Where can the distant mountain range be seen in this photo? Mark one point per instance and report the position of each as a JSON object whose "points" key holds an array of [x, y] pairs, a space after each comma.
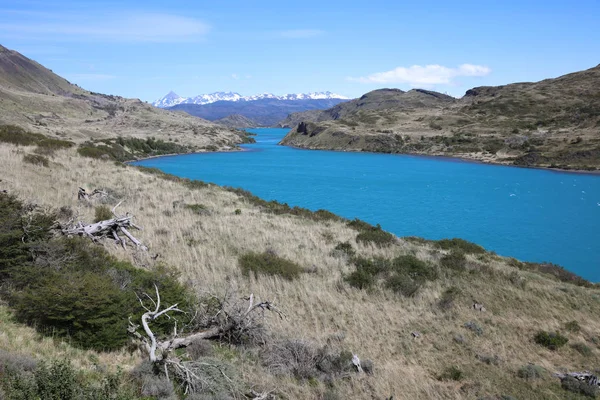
{"points": [[256, 112], [172, 99]]}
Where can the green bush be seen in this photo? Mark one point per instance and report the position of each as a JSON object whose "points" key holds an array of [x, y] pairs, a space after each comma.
{"points": [[448, 298], [59, 380], [102, 213], [531, 372], [452, 373], [345, 248], [582, 349], [552, 341], [571, 384], [36, 159], [360, 279], [376, 236], [414, 268], [454, 260], [199, 209], [573, 326], [72, 287], [403, 274], [19, 136], [268, 263], [460, 244]]}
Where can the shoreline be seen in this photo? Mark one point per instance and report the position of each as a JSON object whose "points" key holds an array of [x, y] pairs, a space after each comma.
{"points": [[238, 150], [456, 159]]}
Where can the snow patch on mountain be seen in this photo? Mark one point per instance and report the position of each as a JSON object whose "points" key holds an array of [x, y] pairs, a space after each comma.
{"points": [[172, 99]]}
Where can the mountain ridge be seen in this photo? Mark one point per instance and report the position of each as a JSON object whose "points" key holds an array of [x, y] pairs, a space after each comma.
{"points": [[172, 99]]}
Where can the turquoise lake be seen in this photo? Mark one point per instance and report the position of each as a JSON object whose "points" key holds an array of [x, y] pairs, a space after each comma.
{"points": [[529, 214]]}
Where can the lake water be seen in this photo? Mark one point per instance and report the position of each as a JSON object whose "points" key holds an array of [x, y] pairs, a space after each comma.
{"points": [[530, 214]]}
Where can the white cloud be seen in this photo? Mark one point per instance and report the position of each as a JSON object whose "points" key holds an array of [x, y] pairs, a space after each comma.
{"points": [[124, 27], [424, 75], [235, 76], [301, 33]]}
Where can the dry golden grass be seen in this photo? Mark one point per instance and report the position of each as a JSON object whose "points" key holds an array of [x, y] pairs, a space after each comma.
{"points": [[375, 325]]}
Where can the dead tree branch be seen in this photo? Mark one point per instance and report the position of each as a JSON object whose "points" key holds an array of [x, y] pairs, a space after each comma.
{"points": [[82, 194], [110, 227]]}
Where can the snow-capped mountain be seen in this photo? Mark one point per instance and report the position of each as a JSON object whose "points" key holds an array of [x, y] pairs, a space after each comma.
{"points": [[173, 99]]}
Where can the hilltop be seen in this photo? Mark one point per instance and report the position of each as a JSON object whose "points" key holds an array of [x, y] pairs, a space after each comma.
{"points": [[35, 98], [551, 123]]}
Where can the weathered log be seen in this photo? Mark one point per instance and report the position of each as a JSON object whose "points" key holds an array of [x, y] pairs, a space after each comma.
{"points": [[585, 376], [110, 227], [153, 347]]}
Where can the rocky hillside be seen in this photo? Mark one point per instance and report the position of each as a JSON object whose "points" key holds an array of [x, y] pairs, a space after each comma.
{"points": [[35, 98], [236, 121], [552, 123]]}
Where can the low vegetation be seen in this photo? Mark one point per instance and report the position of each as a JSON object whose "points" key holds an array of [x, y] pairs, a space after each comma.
{"points": [[72, 288], [401, 304], [126, 149], [269, 263], [550, 340]]}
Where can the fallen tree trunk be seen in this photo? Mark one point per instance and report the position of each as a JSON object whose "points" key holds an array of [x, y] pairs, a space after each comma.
{"points": [[110, 227]]}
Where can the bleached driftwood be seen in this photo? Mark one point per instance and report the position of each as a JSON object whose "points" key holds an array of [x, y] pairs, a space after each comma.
{"points": [[83, 195], [585, 376], [110, 227], [159, 351]]}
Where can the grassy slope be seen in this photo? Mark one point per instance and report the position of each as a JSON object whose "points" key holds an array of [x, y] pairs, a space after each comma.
{"points": [[555, 122], [33, 97], [320, 305]]}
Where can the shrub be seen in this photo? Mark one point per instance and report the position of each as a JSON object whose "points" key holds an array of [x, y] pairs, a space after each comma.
{"points": [[455, 260], [552, 341], [582, 349], [238, 211], [199, 209], [73, 288], [60, 380], [102, 213], [376, 236], [409, 274], [414, 268], [268, 263], [36, 159], [531, 372], [305, 361], [573, 385], [448, 298], [474, 327], [16, 135], [460, 244], [452, 373], [345, 248], [360, 279], [573, 326]]}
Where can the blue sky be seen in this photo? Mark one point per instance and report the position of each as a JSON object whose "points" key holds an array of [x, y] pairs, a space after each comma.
{"points": [[145, 48]]}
